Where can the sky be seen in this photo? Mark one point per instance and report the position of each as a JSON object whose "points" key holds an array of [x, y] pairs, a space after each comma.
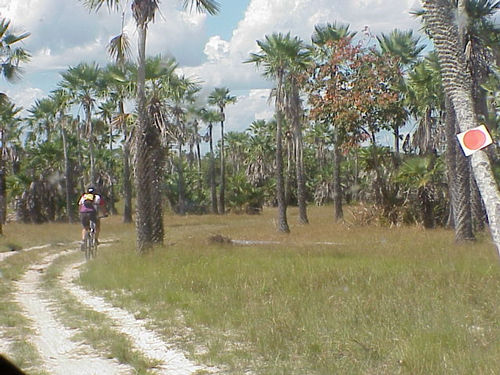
{"points": [[209, 49]]}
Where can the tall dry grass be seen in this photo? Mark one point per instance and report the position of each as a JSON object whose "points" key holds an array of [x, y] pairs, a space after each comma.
{"points": [[326, 299]]}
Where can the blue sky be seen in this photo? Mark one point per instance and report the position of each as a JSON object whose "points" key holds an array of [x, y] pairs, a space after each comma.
{"points": [[231, 11], [210, 49]]}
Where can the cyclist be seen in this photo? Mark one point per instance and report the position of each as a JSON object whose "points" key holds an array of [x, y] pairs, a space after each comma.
{"points": [[91, 205]]}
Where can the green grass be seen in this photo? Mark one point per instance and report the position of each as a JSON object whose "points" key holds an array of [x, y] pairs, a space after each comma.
{"points": [[95, 329], [329, 298], [380, 301], [14, 326]]}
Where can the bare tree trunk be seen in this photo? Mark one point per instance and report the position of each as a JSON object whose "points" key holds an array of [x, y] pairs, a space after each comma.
{"points": [[441, 22]]}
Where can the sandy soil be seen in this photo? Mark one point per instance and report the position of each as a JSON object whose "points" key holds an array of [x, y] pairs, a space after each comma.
{"points": [[61, 355]]}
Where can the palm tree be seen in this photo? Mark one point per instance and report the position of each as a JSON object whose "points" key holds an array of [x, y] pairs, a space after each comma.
{"points": [[81, 82], [459, 179], [119, 83], [425, 99], [149, 221], [209, 117], [276, 57], [61, 100], [440, 21], [481, 36], [404, 46], [8, 119], [11, 55], [421, 174], [300, 60], [324, 34], [220, 97]]}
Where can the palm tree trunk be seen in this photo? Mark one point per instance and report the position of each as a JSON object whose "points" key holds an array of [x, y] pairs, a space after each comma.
{"points": [[440, 20], [337, 188], [280, 181], [112, 198], [299, 157], [80, 157], [127, 181], [90, 128], [222, 198], [67, 175], [477, 206], [149, 221], [182, 197], [213, 192], [458, 179], [3, 206], [198, 163], [127, 185], [288, 174]]}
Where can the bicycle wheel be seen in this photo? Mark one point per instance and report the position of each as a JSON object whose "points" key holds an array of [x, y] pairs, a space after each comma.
{"points": [[93, 246]]}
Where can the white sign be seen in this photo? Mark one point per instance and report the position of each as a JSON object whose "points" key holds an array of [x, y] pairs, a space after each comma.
{"points": [[474, 139]]}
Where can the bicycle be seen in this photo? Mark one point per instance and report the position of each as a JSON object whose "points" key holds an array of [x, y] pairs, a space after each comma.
{"points": [[90, 243]]}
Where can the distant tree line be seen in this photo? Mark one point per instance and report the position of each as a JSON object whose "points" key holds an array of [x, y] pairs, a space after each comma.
{"points": [[340, 134]]}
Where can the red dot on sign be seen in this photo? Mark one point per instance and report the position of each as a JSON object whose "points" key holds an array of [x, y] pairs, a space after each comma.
{"points": [[474, 139]]}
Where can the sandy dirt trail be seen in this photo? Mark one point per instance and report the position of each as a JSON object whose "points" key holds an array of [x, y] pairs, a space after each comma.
{"points": [[60, 355], [171, 361]]}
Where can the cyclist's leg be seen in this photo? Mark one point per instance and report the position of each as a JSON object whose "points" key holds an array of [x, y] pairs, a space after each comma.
{"points": [[85, 220]]}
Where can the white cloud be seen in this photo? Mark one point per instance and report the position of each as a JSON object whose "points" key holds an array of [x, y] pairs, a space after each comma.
{"points": [[216, 49], [225, 65], [64, 33], [24, 97], [248, 108]]}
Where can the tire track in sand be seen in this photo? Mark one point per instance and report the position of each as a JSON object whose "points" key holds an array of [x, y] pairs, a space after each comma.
{"points": [[148, 342], [59, 354]]}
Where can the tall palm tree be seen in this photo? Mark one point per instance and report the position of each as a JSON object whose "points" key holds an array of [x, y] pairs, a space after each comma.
{"points": [[220, 97], [405, 46], [81, 82], [425, 99], [210, 117], [300, 60], [11, 55], [441, 23], [276, 57], [149, 221], [62, 102], [119, 82]]}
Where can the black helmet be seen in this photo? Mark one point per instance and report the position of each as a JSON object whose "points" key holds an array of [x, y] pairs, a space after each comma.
{"points": [[91, 189]]}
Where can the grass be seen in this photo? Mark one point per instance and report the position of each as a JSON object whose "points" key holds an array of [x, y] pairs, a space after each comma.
{"points": [[329, 298], [14, 326], [94, 327]]}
